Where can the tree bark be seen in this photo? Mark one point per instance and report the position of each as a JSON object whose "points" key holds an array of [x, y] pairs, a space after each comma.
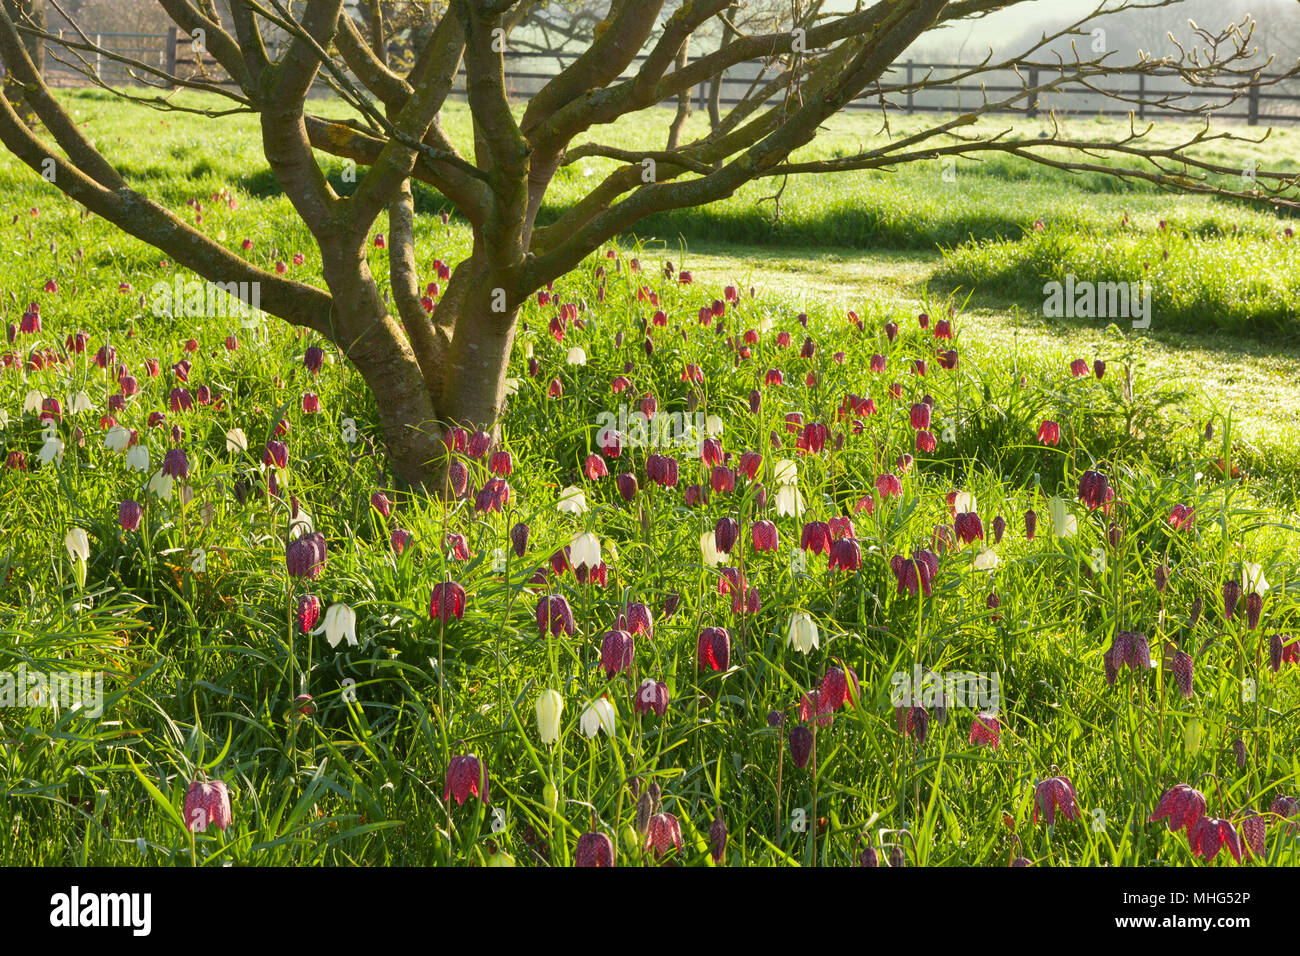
{"points": [[376, 347], [31, 13], [479, 359], [683, 101], [715, 85]]}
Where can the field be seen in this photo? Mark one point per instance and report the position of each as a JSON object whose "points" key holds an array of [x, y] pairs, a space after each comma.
{"points": [[726, 632]]}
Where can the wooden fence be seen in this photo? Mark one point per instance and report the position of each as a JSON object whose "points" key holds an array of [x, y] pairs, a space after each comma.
{"points": [[178, 55]]}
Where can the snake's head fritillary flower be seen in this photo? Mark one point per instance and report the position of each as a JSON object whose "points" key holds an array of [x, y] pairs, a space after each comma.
{"points": [[598, 716], [554, 615], [276, 454], [897, 857], [652, 695], [308, 612], [466, 777], [457, 478], [478, 444], [1049, 432], [584, 551], [493, 496], [870, 857], [594, 849], [1283, 649], [801, 741], [1182, 805], [750, 462], [637, 620], [1231, 595], [1078, 368], [314, 359], [986, 730], [1253, 580], [999, 528], [846, 555], [1129, 648], [802, 633], [722, 479], [550, 705], [129, 514], [176, 464], [838, 687], [207, 803], [664, 833], [1055, 795], [1285, 807], [627, 486], [1094, 489], [725, 533], [913, 721], [714, 648], [519, 538], [916, 574], [1183, 671], [1210, 834], [1253, 829], [662, 470], [968, 527], [1181, 517], [617, 652], [765, 536], [816, 537], [305, 557], [340, 624], [718, 838], [447, 601], [1254, 606]]}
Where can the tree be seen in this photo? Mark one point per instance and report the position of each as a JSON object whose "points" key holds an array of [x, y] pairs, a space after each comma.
{"points": [[451, 367], [31, 13]]}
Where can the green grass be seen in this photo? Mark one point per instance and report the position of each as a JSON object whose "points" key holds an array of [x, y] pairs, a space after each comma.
{"points": [[202, 666]]}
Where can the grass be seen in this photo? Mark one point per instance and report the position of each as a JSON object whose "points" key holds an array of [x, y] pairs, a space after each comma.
{"points": [[191, 616]]}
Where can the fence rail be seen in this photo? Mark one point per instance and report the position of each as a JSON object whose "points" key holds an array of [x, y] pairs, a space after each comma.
{"points": [[902, 88]]}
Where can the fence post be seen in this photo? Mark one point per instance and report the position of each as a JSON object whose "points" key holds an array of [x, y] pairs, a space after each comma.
{"points": [[910, 64], [170, 55], [1033, 103], [1253, 101], [1142, 96], [99, 59]]}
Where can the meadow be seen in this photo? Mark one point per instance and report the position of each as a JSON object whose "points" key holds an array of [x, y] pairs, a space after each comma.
{"points": [[667, 646]]}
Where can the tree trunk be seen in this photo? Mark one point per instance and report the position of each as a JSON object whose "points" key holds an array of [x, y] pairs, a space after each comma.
{"points": [[31, 13], [413, 410], [475, 377], [373, 343]]}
